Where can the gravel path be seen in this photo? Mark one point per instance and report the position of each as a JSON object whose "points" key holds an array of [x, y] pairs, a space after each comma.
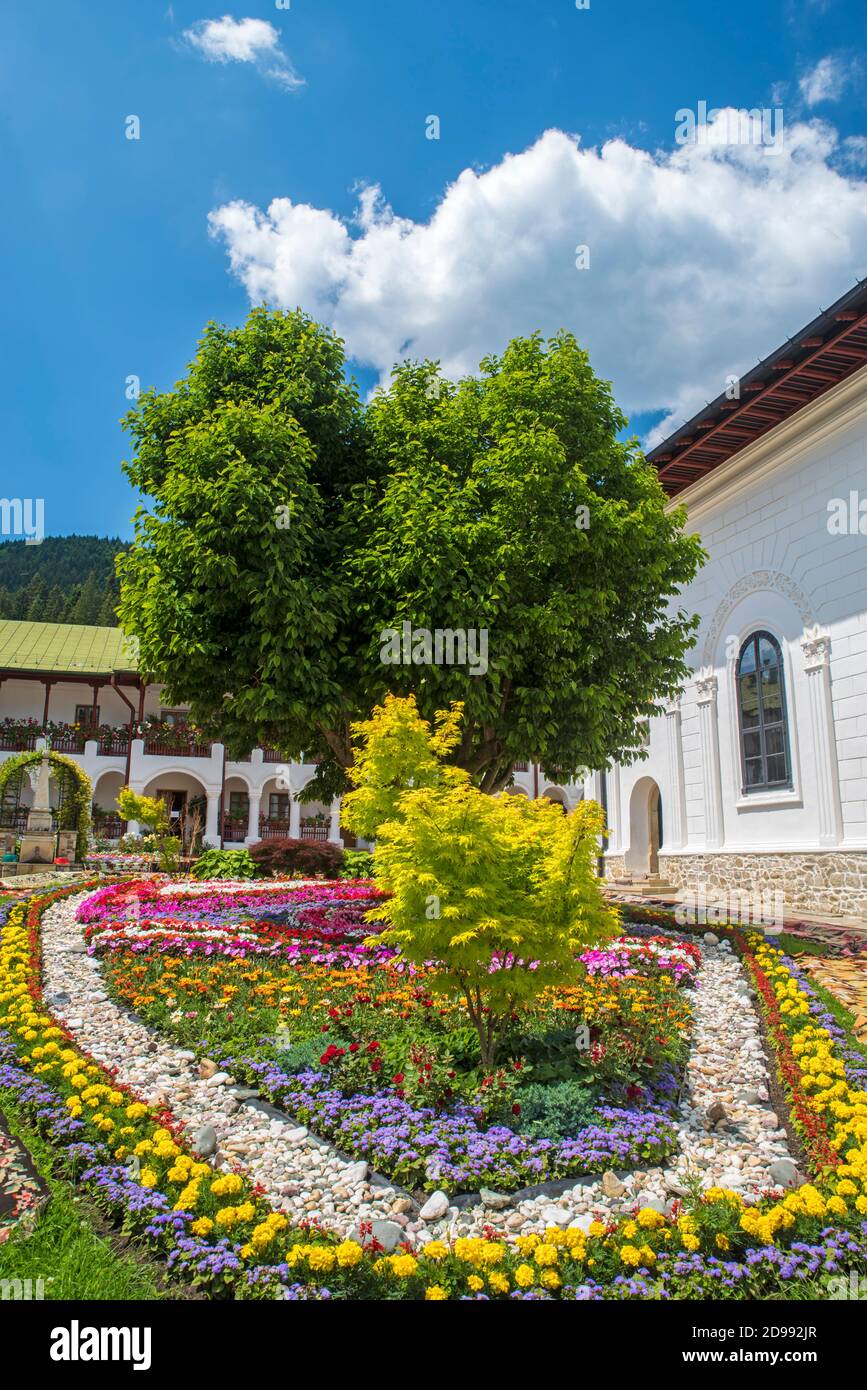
{"points": [[304, 1176]]}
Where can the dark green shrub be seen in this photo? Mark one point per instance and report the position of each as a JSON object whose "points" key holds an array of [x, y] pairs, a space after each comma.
{"points": [[303, 1055], [556, 1111]]}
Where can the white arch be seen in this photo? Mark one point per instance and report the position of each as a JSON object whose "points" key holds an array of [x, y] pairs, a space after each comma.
{"points": [[557, 794], [239, 777], [641, 856], [160, 777]]}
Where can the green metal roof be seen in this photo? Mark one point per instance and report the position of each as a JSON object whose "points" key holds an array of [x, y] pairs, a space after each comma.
{"points": [[71, 647]]}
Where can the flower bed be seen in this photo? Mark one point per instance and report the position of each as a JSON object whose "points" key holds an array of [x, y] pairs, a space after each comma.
{"points": [[214, 1229], [371, 1059]]}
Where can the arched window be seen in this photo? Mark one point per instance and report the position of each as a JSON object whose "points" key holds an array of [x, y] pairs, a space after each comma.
{"points": [[761, 687]]}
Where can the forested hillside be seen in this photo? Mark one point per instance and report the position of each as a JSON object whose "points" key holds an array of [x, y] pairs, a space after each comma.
{"points": [[66, 579]]}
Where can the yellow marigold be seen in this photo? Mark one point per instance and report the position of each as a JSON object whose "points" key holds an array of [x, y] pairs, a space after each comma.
{"points": [[404, 1265], [722, 1241], [227, 1186], [689, 1242], [349, 1253], [148, 1177], [629, 1255], [545, 1255], [649, 1219], [435, 1293], [435, 1250], [321, 1258], [498, 1282], [550, 1279], [202, 1226], [524, 1276], [475, 1283]]}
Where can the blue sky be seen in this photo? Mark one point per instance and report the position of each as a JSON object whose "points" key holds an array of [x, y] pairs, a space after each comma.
{"points": [[700, 260]]}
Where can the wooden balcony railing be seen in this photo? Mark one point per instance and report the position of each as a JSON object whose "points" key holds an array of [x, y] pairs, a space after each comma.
{"points": [[69, 743], [313, 830], [234, 828], [274, 829], [17, 743], [167, 748], [112, 748], [108, 827]]}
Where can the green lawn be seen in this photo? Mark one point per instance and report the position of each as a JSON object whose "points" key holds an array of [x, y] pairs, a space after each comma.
{"points": [[65, 1250]]}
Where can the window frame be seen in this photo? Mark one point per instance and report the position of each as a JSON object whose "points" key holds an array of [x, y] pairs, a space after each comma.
{"points": [[765, 787]]}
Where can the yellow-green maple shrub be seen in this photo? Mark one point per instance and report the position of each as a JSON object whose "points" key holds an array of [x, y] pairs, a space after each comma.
{"points": [[499, 892]]}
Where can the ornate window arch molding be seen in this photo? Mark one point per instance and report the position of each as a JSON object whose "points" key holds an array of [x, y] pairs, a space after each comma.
{"points": [[756, 582]]}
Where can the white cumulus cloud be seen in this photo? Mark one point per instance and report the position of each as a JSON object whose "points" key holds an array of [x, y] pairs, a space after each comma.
{"points": [[700, 260], [255, 41], [824, 82]]}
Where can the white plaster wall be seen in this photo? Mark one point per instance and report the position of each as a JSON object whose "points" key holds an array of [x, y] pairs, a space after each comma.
{"points": [[771, 518]]}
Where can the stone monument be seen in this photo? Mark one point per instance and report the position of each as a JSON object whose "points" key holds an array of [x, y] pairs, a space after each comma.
{"points": [[37, 842]]}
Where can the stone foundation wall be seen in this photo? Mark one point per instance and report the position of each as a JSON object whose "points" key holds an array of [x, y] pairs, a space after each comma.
{"points": [[615, 866], [833, 881]]}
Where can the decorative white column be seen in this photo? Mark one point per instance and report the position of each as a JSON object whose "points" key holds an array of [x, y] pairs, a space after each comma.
{"points": [[334, 824], [253, 818], [137, 779], [294, 817], [211, 837], [816, 646], [707, 686], [615, 815], [674, 810]]}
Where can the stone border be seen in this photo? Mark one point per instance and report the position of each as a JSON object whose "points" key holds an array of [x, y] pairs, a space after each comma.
{"points": [[309, 1180]]}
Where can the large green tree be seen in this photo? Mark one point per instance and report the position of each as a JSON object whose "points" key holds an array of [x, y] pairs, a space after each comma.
{"points": [[295, 537]]}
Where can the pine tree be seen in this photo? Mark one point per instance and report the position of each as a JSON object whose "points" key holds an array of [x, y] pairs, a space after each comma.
{"points": [[107, 615], [32, 605], [89, 601], [55, 606]]}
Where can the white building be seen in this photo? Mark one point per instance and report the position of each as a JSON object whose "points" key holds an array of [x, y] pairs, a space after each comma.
{"points": [[81, 684], [758, 782], [71, 679]]}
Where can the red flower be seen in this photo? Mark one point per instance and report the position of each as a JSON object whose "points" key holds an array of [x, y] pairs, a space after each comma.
{"points": [[397, 1079], [353, 1047], [516, 1109]]}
